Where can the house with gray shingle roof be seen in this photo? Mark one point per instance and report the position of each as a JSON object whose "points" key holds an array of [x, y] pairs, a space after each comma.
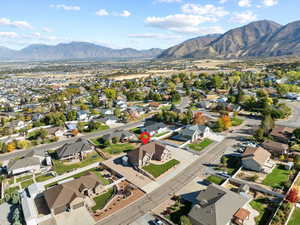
{"points": [[31, 162], [217, 206], [192, 133], [74, 150]]}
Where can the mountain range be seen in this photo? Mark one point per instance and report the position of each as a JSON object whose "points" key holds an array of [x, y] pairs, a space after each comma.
{"points": [[258, 39], [74, 50]]}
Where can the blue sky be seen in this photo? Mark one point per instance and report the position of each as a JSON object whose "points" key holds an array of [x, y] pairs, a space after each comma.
{"points": [[140, 24]]}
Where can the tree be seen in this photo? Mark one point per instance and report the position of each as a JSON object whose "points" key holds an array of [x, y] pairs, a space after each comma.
{"points": [[11, 147], [75, 132], [199, 118], [117, 112], [71, 115], [297, 133], [110, 93], [224, 122], [292, 196], [22, 144], [184, 220]]}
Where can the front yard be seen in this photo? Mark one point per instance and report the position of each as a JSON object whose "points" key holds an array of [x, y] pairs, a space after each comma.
{"points": [[157, 170], [179, 209], [103, 199], [277, 178], [61, 167], [199, 146]]}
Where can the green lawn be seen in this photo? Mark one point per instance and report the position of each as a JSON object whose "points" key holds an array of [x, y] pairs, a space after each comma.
{"points": [[103, 199], [26, 183], [236, 121], [277, 178], [94, 170], [215, 179], [20, 179], [42, 178], [261, 205], [295, 219], [157, 170], [136, 130], [179, 209], [61, 168], [161, 134], [118, 148], [199, 146]]}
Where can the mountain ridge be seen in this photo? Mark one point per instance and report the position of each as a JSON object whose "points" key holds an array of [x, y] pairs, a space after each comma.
{"points": [[73, 50], [260, 38]]}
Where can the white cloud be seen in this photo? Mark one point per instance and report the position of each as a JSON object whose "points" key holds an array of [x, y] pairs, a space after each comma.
{"points": [[244, 17], [207, 10], [18, 24], [244, 3], [183, 23], [47, 29], [66, 7], [269, 3], [223, 1], [155, 36], [9, 34], [102, 12], [125, 13]]}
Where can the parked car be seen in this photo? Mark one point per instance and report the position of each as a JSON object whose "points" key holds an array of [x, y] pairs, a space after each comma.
{"points": [[157, 222]]}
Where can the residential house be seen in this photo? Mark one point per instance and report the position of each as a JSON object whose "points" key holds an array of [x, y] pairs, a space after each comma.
{"points": [[56, 131], [82, 115], [31, 162], [282, 134], [192, 133], [108, 120], [275, 148], [76, 150], [121, 135], [152, 151], [155, 128], [73, 194], [257, 159], [218, 206]]}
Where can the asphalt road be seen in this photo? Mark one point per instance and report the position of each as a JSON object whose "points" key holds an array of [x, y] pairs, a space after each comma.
{"points": [[46, 147], [161, 194], [294, 120]]}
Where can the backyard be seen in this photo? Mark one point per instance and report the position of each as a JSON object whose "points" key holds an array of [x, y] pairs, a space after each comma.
{"points": [[157, 170], [277, 178], [295, 219], [215, 180], [236, 121], [118, 148], [199, 146], [61, 167], [261, 206]]}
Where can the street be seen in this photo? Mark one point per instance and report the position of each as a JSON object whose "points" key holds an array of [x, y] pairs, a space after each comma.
{"points": [[294, 120], [165, 191], [46, 147]]}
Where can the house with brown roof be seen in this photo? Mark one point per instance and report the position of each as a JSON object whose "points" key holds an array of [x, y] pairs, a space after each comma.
{"points": [[73, 194], [142, 156], [282, 134], [275, 148], [257, 159]]}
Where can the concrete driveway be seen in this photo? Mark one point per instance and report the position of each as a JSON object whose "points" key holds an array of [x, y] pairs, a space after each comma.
{"points": [[78, 216]]}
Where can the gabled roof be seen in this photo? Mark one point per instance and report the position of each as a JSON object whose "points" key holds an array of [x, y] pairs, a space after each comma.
{"points": [[153, 148], [22, 163], [260, 155], [80, 145], [216, 206], [282, 131], [118, 134], [63, 194]]}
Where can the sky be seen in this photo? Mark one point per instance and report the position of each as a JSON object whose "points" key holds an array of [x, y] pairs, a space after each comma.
{"points": [[140, 24]]}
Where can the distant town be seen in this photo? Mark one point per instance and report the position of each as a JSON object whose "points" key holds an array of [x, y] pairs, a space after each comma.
{"points": [[223, 148]]}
